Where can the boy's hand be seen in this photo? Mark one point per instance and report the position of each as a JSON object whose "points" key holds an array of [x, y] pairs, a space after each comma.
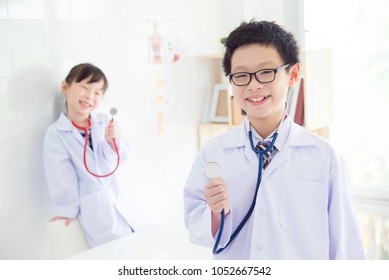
{"points": [[216, 194]]}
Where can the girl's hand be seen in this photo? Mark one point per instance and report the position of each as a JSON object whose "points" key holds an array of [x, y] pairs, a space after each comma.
{"points": [[67, 220], [112, 132]]}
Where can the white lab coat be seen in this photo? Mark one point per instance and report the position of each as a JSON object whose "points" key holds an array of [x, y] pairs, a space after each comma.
{"points": [[96, 202], [304, 207]]}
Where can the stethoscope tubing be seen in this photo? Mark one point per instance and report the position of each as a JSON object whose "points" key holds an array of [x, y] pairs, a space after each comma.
{"points": [[85, 129], [260, 154]]}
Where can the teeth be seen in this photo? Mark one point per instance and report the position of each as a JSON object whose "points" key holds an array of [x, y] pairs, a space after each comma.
{"points": [[257, 99]]}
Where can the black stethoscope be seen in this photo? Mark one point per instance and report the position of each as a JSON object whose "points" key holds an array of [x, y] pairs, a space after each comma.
{"points": [[212, 170]]}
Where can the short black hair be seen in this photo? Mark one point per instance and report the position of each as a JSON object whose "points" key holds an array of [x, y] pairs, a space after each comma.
{"points": [[264, 33], [86, 70]]}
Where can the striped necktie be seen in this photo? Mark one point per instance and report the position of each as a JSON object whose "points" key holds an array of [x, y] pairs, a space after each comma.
{"points": [[267, 157]]}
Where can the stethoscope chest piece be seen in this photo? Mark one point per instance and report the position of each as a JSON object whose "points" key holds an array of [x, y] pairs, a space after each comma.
{"points": [[212, 170]]}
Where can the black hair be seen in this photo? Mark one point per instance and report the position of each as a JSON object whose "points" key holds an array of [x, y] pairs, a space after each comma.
{"points": [[84, 71], [264, 33]]}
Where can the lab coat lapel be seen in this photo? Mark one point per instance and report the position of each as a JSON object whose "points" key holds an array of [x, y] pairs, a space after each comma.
{"points": [[77, 135], [99, 124], [282, 144], [251, 156], [238, 138], [95, 130], [278, 159], [64, 124], [297, 136]]}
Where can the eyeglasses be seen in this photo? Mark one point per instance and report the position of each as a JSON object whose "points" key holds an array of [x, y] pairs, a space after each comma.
{"points": [[262, 76]]}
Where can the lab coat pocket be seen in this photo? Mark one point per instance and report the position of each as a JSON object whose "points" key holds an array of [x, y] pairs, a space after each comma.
{"points": [[96, 212], [303, 206]]}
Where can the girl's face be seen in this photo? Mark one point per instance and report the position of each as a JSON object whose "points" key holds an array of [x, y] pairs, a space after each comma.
{"points": [[262, 101], [82, 97]]}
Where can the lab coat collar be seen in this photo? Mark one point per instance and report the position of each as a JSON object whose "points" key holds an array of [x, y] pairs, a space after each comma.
{"points": [[290, 134], [64, 124], [282, 133]]}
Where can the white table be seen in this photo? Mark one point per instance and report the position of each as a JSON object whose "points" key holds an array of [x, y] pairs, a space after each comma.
{"points": [[167, 241]]}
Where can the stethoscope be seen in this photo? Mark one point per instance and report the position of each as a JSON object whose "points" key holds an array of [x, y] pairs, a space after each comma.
{"points": [[212, 170], [113, 112]]}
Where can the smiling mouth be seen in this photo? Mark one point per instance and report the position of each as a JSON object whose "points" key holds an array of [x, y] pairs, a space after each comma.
{"points": [[85, 104], [258, 99]]}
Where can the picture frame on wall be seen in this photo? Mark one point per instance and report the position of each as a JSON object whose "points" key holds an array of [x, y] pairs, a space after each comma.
{"points": [[219, 109]]}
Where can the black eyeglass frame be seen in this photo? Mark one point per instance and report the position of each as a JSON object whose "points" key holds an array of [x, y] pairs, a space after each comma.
{"points": [[275, 70]]}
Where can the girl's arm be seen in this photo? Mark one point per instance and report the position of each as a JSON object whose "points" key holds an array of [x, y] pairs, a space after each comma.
{"points": [[67, 220], [61, 176]]}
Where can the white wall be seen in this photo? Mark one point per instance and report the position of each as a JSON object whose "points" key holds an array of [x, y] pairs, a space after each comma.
{"points": [[40, 40]]}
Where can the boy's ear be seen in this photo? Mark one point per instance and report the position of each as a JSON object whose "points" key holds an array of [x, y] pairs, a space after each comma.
{"points": [[294, 74]]}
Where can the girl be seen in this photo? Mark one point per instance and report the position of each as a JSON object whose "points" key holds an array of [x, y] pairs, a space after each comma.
{"points": [[95, 201]]}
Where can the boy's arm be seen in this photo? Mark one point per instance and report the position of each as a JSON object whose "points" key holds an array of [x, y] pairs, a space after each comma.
{"points": [[344, 231], [198, 215]]}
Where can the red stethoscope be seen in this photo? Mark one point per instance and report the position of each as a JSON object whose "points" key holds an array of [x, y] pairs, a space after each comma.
{"points": [[113, 112]]}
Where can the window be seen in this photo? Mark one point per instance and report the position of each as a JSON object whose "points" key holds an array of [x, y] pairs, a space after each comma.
{"points": [[358, 31]]}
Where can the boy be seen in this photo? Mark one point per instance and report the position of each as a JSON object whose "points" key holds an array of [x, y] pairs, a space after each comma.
{"points": [[294, 182]]}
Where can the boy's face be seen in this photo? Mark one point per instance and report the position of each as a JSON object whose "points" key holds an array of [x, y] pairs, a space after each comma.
{"points": [[262, 101], [83, 97]]}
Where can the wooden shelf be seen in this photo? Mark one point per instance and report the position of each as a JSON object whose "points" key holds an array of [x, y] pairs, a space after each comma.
{"points": [[210, 130]]}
